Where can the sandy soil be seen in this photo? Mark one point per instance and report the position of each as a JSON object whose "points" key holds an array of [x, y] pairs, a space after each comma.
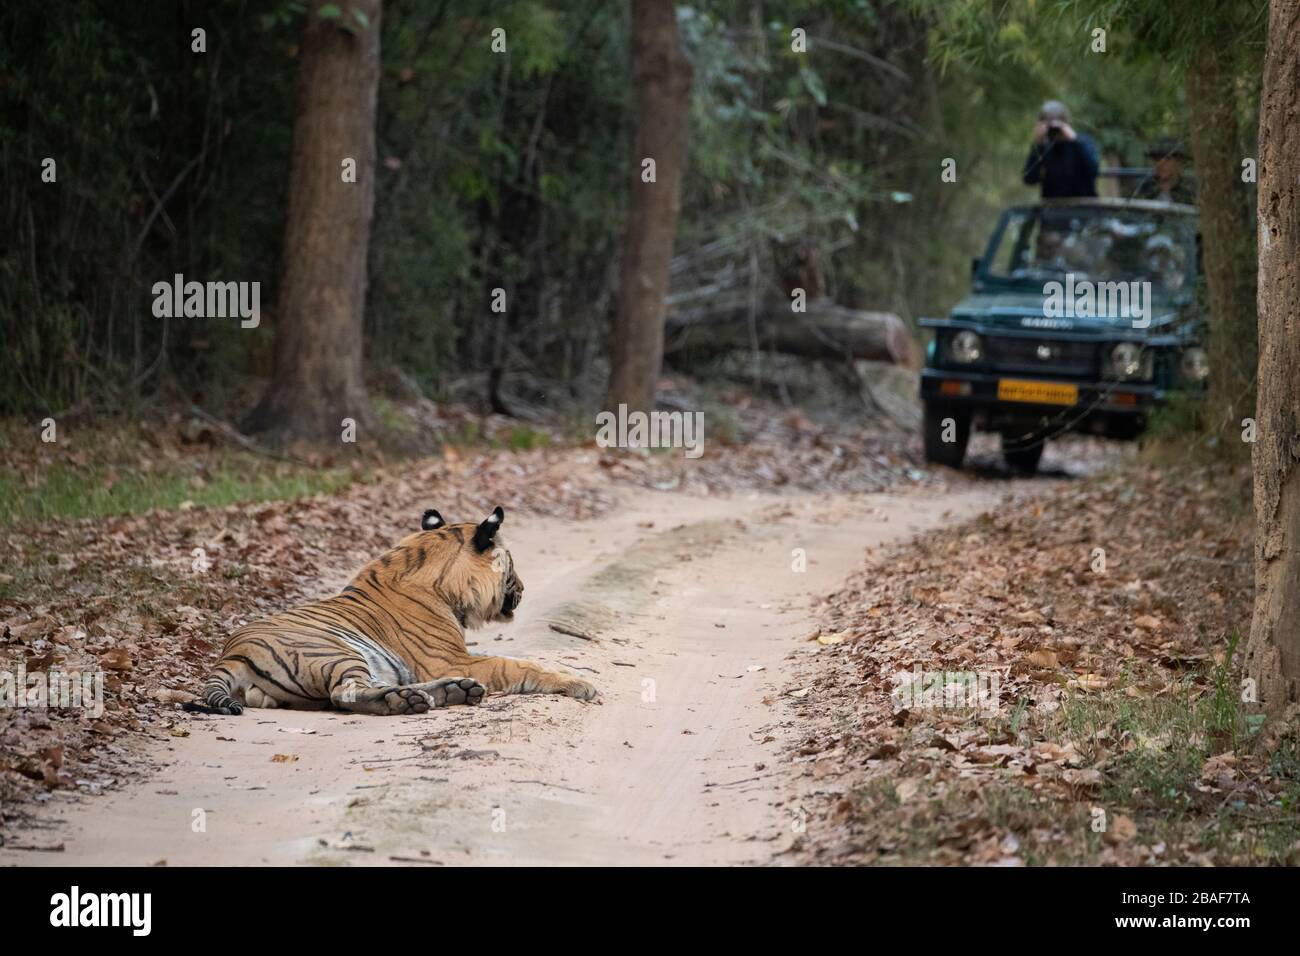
{"points": [[696, 621]]}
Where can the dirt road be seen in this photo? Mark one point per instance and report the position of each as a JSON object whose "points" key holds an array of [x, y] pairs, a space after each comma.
{"points": [[697, 617]]}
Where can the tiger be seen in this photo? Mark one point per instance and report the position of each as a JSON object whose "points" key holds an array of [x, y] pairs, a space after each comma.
{"points": [[393, 642]]}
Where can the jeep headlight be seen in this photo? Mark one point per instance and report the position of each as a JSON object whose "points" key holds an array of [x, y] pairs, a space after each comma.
{"points": [[1195, 365], [1128, 361], [966, 347]]}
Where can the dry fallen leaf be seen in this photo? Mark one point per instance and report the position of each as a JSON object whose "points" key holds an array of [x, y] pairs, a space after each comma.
{"points": [[116, 659], [906, 789], [1119, 830], [1044, 659], [1093, 682], [1085, 778]]}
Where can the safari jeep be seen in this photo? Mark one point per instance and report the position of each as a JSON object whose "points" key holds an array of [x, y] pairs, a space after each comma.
{"points": [[1082, 316]]}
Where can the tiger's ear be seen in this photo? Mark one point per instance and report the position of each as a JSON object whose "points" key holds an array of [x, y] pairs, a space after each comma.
{"points": [[431, 521], [486, 531]]}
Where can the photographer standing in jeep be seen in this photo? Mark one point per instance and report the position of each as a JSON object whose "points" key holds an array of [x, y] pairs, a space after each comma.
{"points": [[1062, 161]]}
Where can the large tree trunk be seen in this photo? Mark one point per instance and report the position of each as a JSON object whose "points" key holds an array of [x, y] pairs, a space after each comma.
{"points": [[1227, 237], [662, 78], [825, 330], [1273, 652], [317, 374]]}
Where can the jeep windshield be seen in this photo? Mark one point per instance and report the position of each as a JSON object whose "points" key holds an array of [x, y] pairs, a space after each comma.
{"points": [[1096, 243]]}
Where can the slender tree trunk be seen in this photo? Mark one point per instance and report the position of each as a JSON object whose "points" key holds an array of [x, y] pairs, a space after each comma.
{"points": [[661, 75], [1227, 238], [317, 373], [1273, 652]]}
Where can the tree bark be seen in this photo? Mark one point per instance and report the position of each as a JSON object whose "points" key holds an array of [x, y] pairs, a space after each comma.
{"points": [[1273, 651], [825, 330], [317, 373], [1227, 234], [661, 75]]}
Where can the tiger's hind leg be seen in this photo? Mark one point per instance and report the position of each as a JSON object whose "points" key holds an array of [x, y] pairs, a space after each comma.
{"points": [[219, 692], [262, 668], [393, 700]]}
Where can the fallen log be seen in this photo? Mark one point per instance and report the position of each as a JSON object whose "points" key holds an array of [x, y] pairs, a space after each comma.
{"points": [[825, 330]]}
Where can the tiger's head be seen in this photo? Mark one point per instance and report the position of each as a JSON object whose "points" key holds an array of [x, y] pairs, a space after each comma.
{"points": [[467, 566]]}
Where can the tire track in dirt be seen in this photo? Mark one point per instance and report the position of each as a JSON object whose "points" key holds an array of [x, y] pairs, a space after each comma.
{"points": [[696, 618]]}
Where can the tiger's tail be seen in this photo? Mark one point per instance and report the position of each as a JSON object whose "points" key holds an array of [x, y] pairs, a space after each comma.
{"points": [[215, 698]]}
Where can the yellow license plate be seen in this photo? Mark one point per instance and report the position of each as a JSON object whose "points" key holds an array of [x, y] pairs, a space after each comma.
{"points": [[1045, 393]]}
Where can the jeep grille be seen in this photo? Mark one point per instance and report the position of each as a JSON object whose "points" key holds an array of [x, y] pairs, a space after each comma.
{"points": [[1006, 353]]}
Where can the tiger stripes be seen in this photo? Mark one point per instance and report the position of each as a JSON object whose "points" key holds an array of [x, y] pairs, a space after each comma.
{"points": [[393, 642]]}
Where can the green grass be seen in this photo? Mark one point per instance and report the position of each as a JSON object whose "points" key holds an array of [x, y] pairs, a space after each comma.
{"points": [[525, 438], [393, 423], [1151, 752], [1155, 778], [116, 470], [68, 491], [521, 437]]}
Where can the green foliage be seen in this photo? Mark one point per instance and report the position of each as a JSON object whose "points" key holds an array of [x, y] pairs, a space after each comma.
{"points": [[835, 150], [167, 161], [1172, 32], [512, 170], [497, 170], [1176, 433]]}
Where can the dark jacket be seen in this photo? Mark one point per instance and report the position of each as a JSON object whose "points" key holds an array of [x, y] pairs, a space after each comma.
{"points": [[1183, 191], [1065, 168]]}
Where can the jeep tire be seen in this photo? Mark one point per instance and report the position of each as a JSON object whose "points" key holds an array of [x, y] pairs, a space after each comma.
{"points": [[1022, 453], [938, 451]]}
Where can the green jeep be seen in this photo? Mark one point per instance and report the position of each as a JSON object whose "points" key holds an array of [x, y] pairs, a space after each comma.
{"points": [[1082, 316]]}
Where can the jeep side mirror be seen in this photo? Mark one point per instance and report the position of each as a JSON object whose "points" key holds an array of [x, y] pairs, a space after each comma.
{"points": [[975, 267]]}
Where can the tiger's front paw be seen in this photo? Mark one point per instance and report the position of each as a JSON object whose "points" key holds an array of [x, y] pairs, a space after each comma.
{"points": [[579, 689], [451, 691]]}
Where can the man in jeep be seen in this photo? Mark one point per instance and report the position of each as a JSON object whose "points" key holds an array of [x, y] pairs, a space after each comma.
{"points": [[1061, 160], [1168, 181]]}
